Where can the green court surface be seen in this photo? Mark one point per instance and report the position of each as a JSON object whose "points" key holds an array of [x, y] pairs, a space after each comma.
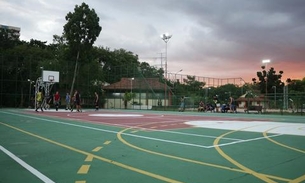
{"points": [[131, 146]]}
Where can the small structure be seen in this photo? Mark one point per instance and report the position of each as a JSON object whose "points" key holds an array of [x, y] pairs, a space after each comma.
{"points": [[250, 102], [145, 92]]}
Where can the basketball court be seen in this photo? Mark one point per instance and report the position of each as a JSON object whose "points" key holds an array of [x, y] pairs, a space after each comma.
{"points": [[150, 146]]}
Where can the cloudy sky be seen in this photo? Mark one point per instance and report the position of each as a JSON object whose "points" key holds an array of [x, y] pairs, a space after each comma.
{"points": [[210, 38]]}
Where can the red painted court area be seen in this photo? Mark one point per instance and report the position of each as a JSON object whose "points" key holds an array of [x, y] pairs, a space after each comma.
{"points": [[131, 119]]}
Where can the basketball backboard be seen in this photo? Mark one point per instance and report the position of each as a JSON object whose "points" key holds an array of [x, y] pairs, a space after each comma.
{"points": [[50, 76]]}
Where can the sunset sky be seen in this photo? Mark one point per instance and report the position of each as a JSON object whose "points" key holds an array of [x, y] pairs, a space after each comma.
{"points": [[210, 38]]}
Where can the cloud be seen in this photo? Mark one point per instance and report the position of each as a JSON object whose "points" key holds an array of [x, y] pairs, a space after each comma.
{"points": [[211, 38]]}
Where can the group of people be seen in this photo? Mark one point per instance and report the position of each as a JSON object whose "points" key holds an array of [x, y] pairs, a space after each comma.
{"points": [[206, 107], [71, 103], [230, 107]]}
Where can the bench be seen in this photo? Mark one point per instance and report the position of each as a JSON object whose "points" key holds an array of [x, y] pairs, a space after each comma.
{"points": [[254, 108]]}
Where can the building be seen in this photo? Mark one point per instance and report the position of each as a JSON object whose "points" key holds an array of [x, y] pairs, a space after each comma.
{"points": [[147, 92], [12, 32]]}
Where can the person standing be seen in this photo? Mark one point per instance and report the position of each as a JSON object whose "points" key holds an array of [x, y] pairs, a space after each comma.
{"points": [[232, 106], [56, 100], [77, 101], [96, 101], [73, 100], [215, 100], [68, 101], [39, 101], [182, 104]]}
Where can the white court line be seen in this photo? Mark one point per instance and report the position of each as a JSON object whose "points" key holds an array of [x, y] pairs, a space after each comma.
{"points": [[241, 141], [127, 134], [197, 135], [27, 166]]}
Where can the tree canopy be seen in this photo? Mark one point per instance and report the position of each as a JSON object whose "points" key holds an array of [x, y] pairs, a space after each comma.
{"points": [[81, 31]]}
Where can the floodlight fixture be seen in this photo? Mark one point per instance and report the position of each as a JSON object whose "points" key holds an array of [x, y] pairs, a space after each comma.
{"points": [[265, 61]]}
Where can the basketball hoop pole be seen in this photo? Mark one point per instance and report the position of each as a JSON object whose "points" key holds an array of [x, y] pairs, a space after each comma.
{"points": [[43, 85], [45, 82]]}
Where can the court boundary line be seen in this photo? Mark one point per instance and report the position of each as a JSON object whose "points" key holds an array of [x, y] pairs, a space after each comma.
{"points": [[247, 140], [31, 169]]}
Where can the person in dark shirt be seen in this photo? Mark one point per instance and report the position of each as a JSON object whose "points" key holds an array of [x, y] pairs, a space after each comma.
{"points": [[96, 101], [78, 101]]}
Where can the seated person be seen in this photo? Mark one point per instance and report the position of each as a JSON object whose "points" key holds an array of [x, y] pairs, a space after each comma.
{"points": [[225, 108], [210, 107], [201, 107]]}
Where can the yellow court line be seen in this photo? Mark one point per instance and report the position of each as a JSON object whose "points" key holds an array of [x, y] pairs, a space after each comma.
{"points": [[299, 179], [83, 169], [107, 142], [143, 172], [80, 181], [89, 158], [280, 144], [97, 149], [119, 135], [248, 170]]}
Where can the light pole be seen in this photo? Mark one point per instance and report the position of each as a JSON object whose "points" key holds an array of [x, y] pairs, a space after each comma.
{"points": [[131, 79], [177, 73], [274, 87], [266, 89], [30, 82], [206, 94], [176, 78], [165, 38]]}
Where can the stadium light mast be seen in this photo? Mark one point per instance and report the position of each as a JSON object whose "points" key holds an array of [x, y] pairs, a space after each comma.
{"points": [[266, 81], [165, 38]]}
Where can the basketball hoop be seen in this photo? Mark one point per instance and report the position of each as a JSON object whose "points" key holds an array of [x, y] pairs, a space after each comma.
{"points": [[51, 78]]}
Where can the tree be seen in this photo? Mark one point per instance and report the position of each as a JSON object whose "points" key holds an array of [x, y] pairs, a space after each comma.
{"points": [[149, 71], [81, 31], [270, 78], [128, 97], [296, 85], [193, 88]]}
